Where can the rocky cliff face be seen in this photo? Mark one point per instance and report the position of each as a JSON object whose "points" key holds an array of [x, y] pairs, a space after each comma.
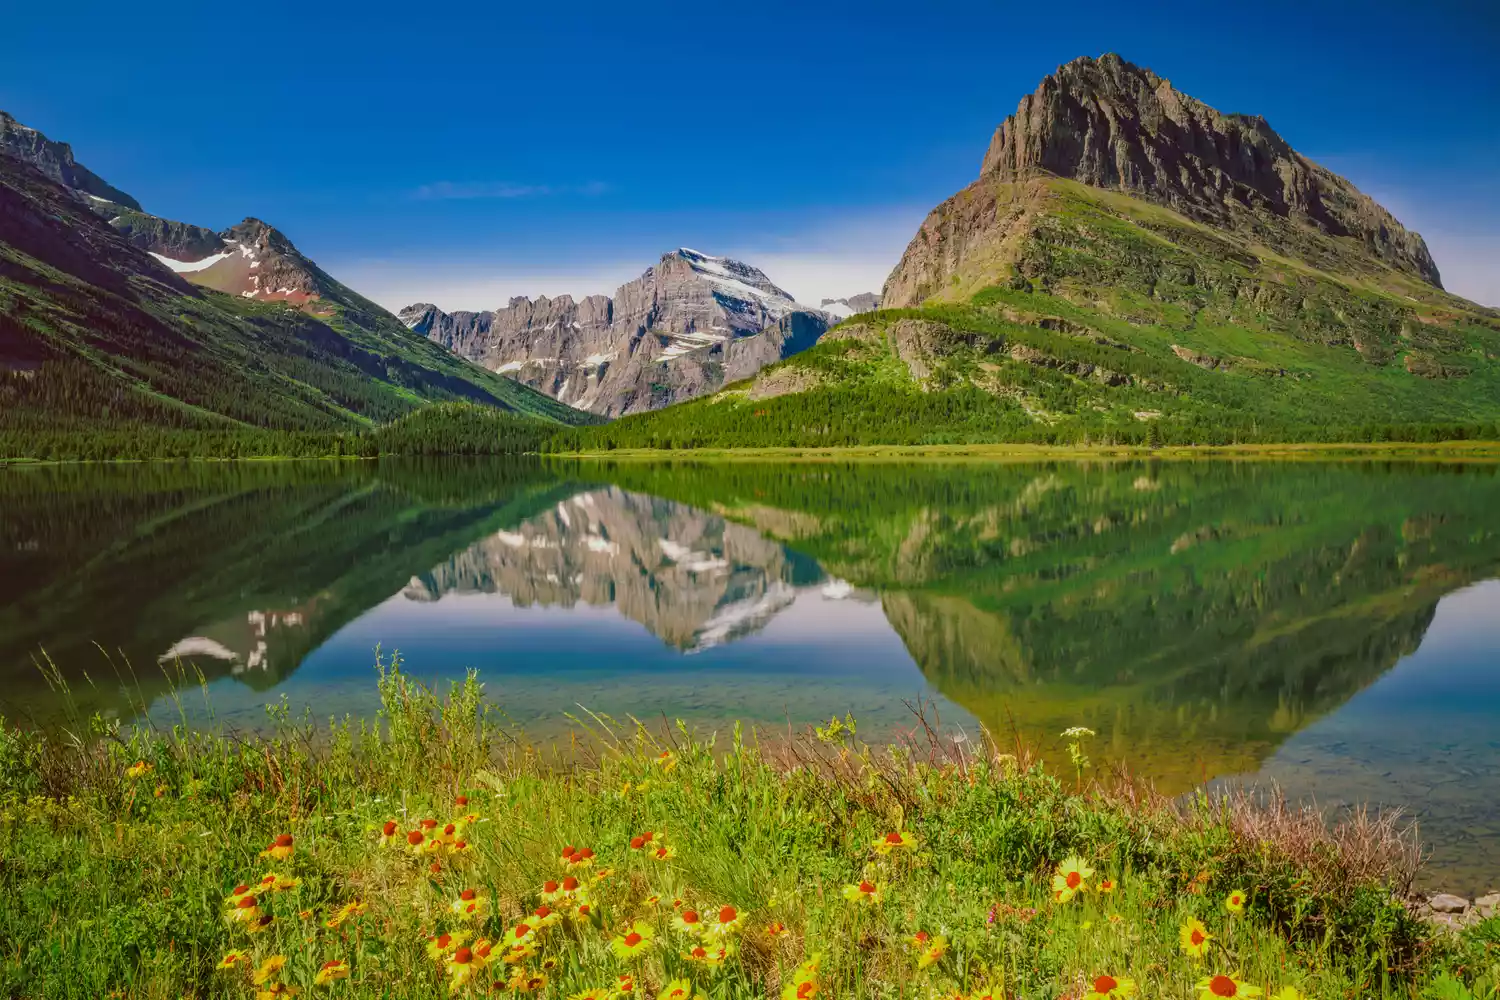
{"points": [[255, 261], [55, 161], [178, 241], [684, 328], [692, 578], [1109, 124]]}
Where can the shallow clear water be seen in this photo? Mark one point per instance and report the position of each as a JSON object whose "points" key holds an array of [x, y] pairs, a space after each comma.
{"points": [[1332, 627]]}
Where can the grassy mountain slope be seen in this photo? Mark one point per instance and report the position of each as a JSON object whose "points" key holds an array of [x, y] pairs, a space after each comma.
{"points": [[1062, 312], [95, 333]]}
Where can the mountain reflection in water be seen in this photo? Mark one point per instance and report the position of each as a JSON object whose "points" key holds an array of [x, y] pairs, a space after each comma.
{"points": [[1195, 615]]}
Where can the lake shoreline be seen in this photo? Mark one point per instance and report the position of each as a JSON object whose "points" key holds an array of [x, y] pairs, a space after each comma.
{"points": [[1440, 451], [1437, 451]]}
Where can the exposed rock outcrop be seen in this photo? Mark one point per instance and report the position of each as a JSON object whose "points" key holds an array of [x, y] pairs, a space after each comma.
{"points": [[685, 327], [55, 161], [1112, 125], [179, 241]]}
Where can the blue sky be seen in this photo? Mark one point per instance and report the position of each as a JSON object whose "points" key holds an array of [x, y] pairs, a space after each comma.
{"points": [[462, 153]]}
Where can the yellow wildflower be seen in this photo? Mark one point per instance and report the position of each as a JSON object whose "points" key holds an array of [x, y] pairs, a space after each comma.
{"points": [[933, 952], [1070, 878], [896, 841], [269, 969], [1110, 988], [1221, 986], [636, 941], [865, 893], [1194, 937], [336, 969]]}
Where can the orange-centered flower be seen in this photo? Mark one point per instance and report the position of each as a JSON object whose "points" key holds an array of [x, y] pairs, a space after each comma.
{"points": [[330, 971], [634, 942]]}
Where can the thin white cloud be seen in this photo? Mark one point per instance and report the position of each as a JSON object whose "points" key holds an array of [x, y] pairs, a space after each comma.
{"points": [[454, 190]]}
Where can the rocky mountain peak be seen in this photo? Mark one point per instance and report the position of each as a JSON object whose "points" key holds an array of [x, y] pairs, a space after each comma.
{"points": [[1110, 124], [55, 161], [724, 271], [254, 232], [688, 324]]}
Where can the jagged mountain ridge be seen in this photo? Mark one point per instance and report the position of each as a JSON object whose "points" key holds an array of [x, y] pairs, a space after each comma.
{"points": [[55, 161], [95, 331], [688, 325], [252, 259], [1113, 125]]}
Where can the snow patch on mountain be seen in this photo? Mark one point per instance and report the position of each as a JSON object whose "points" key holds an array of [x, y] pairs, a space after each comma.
{"points": [[190, 266]]}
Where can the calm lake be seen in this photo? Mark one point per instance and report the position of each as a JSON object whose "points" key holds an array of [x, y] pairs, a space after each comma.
{"points": [[1334, 627]]}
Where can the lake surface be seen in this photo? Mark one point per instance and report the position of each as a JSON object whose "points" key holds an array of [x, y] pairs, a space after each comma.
{"points": [[1332, 627]]}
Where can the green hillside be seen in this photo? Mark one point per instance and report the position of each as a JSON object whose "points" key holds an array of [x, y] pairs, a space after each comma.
{"points": [[95, 334], [1099, 317]]}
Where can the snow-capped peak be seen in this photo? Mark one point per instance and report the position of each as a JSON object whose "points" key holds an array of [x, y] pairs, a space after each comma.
{"points": [[736, 279]]}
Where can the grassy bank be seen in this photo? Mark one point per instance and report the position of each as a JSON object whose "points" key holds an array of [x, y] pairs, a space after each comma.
{"points": [[430, 852], [1446, 450]]}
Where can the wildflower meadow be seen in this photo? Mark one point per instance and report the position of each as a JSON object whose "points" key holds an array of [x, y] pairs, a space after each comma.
{"points": [[432, 852]]}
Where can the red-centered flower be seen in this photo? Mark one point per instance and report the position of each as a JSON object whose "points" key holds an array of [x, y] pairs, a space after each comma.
{"points": [[281, 848]]}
